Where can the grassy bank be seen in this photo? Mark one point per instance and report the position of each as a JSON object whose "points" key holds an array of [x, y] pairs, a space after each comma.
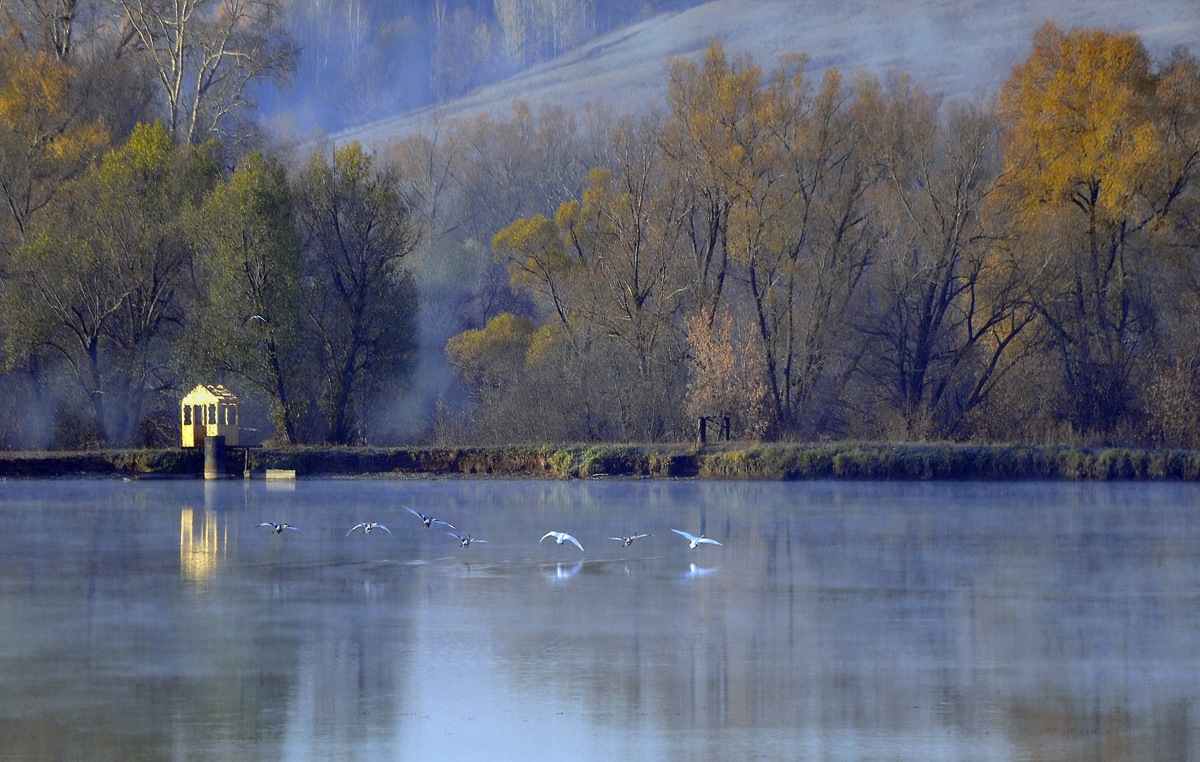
{"points": [[772, 462]]}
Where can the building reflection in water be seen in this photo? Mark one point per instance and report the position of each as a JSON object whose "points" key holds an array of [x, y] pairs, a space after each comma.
{"points": [[203, 544]]}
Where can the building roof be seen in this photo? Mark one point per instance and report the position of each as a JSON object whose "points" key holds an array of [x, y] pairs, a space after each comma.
{"points": [[209, 393]]}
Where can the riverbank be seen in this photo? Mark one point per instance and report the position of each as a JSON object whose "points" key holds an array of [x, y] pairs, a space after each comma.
{"points": [[843, 460]]}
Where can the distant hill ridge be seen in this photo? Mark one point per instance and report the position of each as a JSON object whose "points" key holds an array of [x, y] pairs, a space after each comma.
{"points": [[955, 48]]}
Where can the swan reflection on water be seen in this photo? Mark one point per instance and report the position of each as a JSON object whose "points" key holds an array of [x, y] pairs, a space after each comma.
{"points": [[563, 573], [695, 572]]}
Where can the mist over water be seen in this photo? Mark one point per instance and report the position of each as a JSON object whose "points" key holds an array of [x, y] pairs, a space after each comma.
{"points": [[837, 620]]}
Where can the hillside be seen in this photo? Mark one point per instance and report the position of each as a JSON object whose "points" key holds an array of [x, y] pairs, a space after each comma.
{"points": [[957, 47]]}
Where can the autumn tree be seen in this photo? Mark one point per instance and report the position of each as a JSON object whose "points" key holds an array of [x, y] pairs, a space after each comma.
{"points": [[501, 170], [1103, 154], [248, 257], [356, 231], [99, 285], [46, 138], [606, 274], [779, 183], [727, 376]]}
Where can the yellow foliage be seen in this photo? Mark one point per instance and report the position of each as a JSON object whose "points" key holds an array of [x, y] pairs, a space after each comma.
{"points": [[491, 356], [1079, 118], [543, 345], [533, 250]]}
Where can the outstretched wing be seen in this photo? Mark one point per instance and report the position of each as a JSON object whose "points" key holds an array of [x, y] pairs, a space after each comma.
{"points": [[356, 526], [289, 526], [708, 540], [381, 526], [572, 539], [418, 514], [549, 534], [458, 537], [447, 523], [681, 533], [639, 536]]}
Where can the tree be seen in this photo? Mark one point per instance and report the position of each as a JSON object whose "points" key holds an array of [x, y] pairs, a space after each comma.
{"points": [[489, 358], [46, 138], [48, 25], [728, 375], [461, 49], [249, 255], [779, 189], [606, 273], [99, 284], [949, 305], [356, 231], [206, 55], [1103, 152]]}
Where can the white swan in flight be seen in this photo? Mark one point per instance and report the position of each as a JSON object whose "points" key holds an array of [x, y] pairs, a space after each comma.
{"points": [[693, 539], [561, 537]]}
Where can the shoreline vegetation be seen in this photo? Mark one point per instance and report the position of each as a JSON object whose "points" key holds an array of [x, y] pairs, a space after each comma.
{"points": [[778, 462]]}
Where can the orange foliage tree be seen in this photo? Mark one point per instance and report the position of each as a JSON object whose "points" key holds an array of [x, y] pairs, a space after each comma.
{"points": [[44, 140], [1102, 150]]}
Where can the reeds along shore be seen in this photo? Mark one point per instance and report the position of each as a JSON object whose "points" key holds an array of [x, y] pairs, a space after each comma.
{"points": [[751, 461]]}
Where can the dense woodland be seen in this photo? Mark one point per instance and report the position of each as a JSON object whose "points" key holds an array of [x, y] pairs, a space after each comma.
{"points": [[815, 255]]}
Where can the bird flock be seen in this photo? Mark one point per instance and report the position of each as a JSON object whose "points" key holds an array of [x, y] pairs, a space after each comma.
{"points": [[466, 540]]}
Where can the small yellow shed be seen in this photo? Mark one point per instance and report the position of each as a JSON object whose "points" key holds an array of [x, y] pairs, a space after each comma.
{"points": [[207, 411]]}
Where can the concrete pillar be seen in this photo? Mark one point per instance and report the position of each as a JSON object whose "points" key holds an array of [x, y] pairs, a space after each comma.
{"points": [[214, 457]]}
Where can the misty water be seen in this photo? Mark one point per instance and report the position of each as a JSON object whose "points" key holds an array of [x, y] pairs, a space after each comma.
{"points": [[838, 621]]}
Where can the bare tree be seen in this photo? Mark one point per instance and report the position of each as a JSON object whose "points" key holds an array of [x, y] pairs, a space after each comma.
{"points": [[950, 308], [205, 55]]}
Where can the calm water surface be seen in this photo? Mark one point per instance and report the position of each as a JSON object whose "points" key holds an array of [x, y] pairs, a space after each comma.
{"points": [[839, 621]]}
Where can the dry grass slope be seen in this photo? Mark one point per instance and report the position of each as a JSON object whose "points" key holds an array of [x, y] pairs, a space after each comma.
{"points": [[956, 47]]}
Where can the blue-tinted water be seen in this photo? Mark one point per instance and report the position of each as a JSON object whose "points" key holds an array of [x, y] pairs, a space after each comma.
{"points": [[838, 621]]}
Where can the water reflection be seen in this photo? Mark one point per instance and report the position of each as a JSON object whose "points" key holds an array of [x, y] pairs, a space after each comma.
{"points": [[201, 552], [839, 621], [699, 571], [563, 572]]}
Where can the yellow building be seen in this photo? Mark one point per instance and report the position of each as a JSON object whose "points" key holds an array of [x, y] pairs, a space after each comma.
{"points": [[207, 411]]}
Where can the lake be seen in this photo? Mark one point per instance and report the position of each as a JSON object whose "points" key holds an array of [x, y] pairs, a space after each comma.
{"points": [[837, 621]]}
